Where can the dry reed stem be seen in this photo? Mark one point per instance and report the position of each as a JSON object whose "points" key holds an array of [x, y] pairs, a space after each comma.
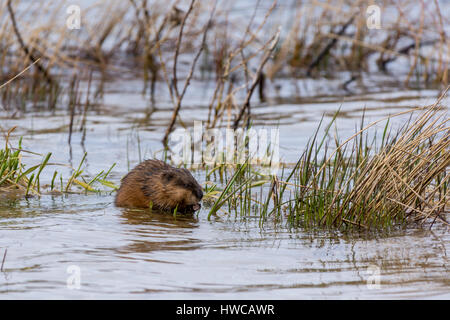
{"points": [[402, 177]]}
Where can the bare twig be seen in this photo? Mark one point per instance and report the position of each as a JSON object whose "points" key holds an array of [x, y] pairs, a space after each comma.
{"points": [[177, 50], [256, 79], [3, 261], [329, 46], [25, 48], [191, 72]]}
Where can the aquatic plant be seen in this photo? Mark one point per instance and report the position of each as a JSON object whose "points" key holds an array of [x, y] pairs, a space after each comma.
{"points": [[360, 184], [26, 180], [148, 39], [50, 63], [331, 36], [13, 172]]}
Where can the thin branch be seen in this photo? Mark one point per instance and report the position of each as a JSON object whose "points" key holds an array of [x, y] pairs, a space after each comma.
{"points": [[25, 48], [191, 72], [329, 46], [177, 50], [3, 261], [256, 78]]}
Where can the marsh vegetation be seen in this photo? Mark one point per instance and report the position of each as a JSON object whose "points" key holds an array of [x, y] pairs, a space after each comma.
{"points": [[360, 101], [332, 183]]}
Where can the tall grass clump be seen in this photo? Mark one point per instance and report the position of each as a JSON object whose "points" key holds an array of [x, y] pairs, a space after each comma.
{"points": [[13, 173], [26, 180], [404, 178], [367, 181]]}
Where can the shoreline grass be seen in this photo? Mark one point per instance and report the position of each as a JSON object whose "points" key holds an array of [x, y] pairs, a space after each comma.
{"points": [[341, 185], [360, 184], [14, 175], [344, 189], [364, 183]]}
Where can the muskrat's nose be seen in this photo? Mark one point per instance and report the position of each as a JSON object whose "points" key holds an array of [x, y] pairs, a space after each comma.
{"points": [[199, 194], [196, 206]]}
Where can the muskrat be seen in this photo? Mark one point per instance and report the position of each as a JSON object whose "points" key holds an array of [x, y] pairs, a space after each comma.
{"points": [[154, 183]]}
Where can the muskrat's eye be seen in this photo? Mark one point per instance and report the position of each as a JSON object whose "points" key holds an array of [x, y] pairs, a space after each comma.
{"points": [[183, 184], [168, 176]]}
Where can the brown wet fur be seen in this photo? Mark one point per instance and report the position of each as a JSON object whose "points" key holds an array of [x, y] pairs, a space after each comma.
{"points": [[166, 187]]}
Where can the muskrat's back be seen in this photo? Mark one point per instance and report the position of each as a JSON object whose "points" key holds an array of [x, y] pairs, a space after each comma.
{"points": [[157, 184]]}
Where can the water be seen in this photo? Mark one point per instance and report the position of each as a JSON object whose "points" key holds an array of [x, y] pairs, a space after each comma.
{"points": [[53, 241], [129, 255], [132, 255]]}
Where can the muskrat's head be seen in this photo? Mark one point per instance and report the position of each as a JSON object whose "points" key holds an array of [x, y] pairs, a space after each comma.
{"points": [[182, 190]]}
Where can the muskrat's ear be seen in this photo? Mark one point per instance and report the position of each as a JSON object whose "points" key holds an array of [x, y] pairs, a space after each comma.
{"points": [[168, 176]]}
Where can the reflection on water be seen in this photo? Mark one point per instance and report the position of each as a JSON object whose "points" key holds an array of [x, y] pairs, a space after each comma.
{"points": [[159, 231], [136, 254]]}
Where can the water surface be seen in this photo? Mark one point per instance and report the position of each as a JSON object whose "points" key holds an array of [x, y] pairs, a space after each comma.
{"points": [[136, 255]]}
